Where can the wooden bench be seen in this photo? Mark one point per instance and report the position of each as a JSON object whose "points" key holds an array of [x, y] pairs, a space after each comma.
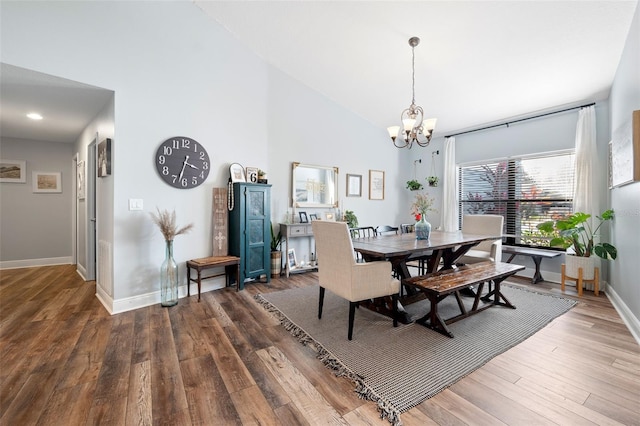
{"points": [[441, 284], [230, 264], [536, 254]]}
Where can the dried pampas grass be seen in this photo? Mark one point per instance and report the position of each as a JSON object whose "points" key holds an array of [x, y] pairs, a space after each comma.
{"points": [[167, 223]]}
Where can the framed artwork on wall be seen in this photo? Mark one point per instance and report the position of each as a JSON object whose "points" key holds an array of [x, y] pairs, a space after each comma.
{"points": [[625, 152], [47, 182], [104, 158], [354, 185], [80, 176], [376, 185], [14, 171]]}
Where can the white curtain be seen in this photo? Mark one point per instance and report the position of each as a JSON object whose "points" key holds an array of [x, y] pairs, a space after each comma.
{"points": [[586, 196], [450, 187]]}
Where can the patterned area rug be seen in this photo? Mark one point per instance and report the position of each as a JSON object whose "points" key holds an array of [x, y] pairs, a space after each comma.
{"points": [[398, 368]]}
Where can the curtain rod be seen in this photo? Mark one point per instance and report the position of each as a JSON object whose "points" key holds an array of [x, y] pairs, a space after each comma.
{"points": [[521, 119]]}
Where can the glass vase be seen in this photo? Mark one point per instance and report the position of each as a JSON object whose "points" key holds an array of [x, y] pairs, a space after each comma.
{"points": [[422, 229], [169, 278]]}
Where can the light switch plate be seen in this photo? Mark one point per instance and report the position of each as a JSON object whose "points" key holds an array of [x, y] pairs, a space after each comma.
{"points": [[136, 204]]}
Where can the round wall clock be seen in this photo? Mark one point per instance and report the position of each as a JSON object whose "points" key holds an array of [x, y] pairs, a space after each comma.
{"points": [[182, 162]]}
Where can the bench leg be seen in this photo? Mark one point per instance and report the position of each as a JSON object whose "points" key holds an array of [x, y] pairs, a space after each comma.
{"points": [[537, 277], [188, 281], [497, 295], [199, 284], [433, 320]]}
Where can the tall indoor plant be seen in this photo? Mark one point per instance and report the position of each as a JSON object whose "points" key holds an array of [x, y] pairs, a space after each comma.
{"points": [[576, 234]]}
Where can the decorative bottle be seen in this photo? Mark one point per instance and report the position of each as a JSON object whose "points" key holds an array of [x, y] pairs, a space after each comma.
{"points": [[169, 278]]}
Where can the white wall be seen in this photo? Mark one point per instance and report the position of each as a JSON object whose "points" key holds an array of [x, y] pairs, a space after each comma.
{"points": [[193, 80], [35, 228], [625, 200]]}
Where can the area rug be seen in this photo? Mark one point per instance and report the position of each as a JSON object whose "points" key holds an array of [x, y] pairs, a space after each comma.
{"points": [[398, 368]]}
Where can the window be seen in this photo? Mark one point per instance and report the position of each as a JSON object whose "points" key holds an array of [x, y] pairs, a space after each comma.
{"points": [[525, 190]]}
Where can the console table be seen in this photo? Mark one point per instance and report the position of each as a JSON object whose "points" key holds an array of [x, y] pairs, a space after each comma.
{"points": [[295, 230]]}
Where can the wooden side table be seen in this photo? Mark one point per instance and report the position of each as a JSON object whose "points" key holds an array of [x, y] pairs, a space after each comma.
{"points": [[230, 264]]}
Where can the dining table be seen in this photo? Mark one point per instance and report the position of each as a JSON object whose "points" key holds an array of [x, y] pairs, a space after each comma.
{"points": [[439, 252]]}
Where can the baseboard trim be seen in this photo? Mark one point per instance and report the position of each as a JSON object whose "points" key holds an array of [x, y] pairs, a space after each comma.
{"points": [[142, 300], [632, 323], [30, 263]]}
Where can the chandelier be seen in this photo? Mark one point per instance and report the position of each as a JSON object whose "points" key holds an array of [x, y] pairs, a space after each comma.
{"points": [[415, 127]]}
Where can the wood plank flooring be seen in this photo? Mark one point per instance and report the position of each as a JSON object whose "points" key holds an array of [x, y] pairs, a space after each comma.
{"points": [[226, 361]]}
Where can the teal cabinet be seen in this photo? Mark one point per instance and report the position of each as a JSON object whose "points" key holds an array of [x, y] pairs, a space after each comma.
{"points": [[249, 233]]}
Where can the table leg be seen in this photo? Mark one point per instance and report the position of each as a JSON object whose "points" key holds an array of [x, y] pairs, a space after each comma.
{"points": [[188, 281]]}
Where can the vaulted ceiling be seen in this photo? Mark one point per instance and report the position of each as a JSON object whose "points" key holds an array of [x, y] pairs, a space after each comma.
{"points": [[478, 61]]}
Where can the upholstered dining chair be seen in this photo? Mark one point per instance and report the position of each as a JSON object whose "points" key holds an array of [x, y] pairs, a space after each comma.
{"points": [[339, 272], [483, 224]]}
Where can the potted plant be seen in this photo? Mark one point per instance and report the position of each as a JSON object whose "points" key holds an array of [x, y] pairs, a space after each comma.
{"points": [[262, 176], [433, 180], [276, 254], [414, 185], [351, 219], [576, 234]]}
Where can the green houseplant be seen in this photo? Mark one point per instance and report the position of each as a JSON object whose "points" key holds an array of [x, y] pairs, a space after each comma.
{"points": [[433, 180], [576, 231], [351, 219], [414, 185], [276, 254]]}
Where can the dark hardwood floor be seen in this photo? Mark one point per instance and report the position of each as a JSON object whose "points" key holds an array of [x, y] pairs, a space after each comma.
{"points": [[65, 361]]}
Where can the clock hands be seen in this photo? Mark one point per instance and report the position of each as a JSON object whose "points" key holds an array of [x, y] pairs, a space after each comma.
{"points": [[184, 164]]}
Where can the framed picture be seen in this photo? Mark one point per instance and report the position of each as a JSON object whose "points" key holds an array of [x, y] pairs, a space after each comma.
{"points": [[376, 185], [329, 216], [291, 258], [313, 217], [13, 171], [237, 173], [625, 152], [80, 179], [47, 182], [303, 217], [354, 185], [104, 158], [252, 174]]}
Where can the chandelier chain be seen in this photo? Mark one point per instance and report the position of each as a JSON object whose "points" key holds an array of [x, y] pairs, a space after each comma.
{"points": [[413, 75]]}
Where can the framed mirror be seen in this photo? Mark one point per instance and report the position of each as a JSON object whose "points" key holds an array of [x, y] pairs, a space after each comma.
{"points": [[314, 186]]}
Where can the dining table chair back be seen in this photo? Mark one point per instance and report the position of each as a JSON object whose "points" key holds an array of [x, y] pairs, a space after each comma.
{"points": [[386, 229], [339, 273], [483, 224], [363, 232]]}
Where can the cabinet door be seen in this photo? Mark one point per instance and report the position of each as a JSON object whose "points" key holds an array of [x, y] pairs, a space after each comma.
{"points": [[257, 236]]}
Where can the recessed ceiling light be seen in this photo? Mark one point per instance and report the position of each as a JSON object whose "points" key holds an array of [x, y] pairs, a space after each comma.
{"points": [[34, 116]]}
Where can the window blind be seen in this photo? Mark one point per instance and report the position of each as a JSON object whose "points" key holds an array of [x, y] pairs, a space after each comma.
{"points": [[525, 190]]}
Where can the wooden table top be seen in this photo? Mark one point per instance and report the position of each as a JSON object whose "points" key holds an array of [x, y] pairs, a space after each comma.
{"points": [[404, 244]]}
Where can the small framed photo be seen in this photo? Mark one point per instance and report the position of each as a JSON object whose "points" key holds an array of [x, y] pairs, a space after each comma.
{"points": [[291, 258], [237, 173], [376, 185], [104, 158], [47, 182], [252, 174], [303, 217], [354, 185], [329, 216], [313, 217], [13, 171]]}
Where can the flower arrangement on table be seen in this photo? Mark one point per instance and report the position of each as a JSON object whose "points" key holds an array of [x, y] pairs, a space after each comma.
{"points": [[421, 205]]}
